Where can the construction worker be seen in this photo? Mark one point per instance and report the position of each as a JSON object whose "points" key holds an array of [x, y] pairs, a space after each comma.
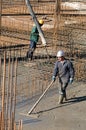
{"points": [[65, 71], [34, 37]]}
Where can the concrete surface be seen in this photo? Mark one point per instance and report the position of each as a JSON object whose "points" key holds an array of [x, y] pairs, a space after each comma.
{"points": [[71, 115]]}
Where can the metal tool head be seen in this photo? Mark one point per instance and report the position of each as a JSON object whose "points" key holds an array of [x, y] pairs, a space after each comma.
{"points": [[30, 115]]}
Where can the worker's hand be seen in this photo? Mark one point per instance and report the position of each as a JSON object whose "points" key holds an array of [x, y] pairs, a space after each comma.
{"points": [[71, 80], [53, 78]]}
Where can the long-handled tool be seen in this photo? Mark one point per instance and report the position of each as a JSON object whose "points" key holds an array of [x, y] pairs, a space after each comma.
{"points": [[29, 113]]}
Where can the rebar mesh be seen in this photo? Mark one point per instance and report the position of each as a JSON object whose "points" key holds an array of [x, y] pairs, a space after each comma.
{"points": [[64, 28]]}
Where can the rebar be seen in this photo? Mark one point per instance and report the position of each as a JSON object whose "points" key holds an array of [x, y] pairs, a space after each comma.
{"points": [[64, 28]]}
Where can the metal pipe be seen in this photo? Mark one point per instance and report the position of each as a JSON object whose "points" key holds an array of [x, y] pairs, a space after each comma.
{"points": [[36, 22]]}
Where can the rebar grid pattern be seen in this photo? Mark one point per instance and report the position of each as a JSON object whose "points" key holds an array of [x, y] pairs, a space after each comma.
{"points": [[8, 80], [64, 28]]}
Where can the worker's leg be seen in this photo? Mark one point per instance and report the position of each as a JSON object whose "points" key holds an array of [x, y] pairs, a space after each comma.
{"points": [[62, 91], [31, 54], [64, 86], [60, 98], [65, 95], [31, 50]]}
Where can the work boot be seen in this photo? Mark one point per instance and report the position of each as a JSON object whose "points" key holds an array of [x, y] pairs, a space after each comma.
{"points": [[65, 96], [27, 55], [61, 97], [31, 56]]}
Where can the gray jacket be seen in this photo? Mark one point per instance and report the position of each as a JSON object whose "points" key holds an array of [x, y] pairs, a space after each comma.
{"points": [[64, 70]]}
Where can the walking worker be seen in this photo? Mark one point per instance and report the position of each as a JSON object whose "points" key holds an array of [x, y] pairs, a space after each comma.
{"points": [[34, 37], [65, 71]]}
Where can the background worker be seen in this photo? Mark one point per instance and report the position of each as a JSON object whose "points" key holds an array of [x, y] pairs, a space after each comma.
{"points": [[65, 71], [34, 37]]}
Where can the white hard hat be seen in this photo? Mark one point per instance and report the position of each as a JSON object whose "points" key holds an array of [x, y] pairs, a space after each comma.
{"points": [[60, 53]]}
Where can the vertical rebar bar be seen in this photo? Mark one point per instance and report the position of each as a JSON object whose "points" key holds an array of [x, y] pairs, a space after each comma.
{"points": [[3, 93], [57, 19], [0, 70], [11, 91], [15, 83], [8, 87], [0, 119], [0, 16], [20, 125]]}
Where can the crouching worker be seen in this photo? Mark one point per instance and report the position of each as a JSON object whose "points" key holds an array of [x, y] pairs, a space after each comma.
{"points": [[65, 71], [34, 37]]}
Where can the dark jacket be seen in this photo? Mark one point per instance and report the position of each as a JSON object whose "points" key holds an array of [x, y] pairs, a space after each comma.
{"points": [[64, 70]]}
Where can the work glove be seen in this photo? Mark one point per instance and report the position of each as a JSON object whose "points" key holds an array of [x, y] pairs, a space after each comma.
{"points": [[53, 78], [71, 80]]}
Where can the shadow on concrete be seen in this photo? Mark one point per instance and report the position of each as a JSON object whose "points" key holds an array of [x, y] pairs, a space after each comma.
{"points": [[70, 101]]}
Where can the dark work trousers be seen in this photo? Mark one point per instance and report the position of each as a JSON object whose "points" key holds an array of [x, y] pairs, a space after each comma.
{"points": [[62, 88], [31, 50]]}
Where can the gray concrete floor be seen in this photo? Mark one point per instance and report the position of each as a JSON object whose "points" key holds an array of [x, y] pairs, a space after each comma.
{"points": [[68, 116]]}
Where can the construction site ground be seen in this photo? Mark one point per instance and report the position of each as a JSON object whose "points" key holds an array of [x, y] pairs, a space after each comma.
{"points": [[71, 115]]}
